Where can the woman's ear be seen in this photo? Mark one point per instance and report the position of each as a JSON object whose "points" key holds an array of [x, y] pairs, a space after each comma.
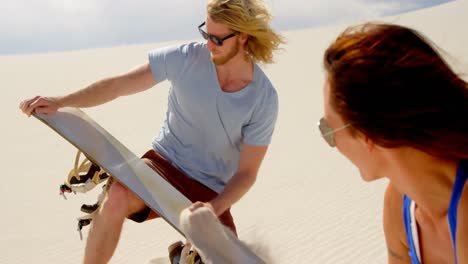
{"points": [[368, 143]]}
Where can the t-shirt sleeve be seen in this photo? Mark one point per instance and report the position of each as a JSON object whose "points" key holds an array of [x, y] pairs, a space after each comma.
{"points": [[167, 62], [259, 130]]}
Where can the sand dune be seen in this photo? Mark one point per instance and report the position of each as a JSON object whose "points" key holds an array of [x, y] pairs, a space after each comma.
{"points": [[309, 204]]}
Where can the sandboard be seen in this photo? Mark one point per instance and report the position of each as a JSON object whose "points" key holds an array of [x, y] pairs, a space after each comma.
{"points": [[103, 149], [106, 151]]}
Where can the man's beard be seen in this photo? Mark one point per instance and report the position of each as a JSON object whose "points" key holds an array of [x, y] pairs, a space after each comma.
{"points": [[222, 60]]}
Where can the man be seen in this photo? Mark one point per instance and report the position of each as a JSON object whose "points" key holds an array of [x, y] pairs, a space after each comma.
{"points": [[221, 114]]}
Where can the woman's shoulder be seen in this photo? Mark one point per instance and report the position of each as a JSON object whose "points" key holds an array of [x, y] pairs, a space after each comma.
{"points": [[393, 210], [394, 227], [462, 222]]}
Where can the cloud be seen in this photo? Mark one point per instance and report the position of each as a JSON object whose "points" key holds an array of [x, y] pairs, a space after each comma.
{"points": [[31, 26], [307, 13], [49, 25]]}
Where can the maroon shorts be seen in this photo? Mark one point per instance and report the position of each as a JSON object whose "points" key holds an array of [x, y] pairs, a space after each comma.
{"points": [[189, 187]]}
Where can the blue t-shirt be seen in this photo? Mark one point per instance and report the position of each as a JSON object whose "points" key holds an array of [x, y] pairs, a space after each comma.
{"points": [[204, 126]]}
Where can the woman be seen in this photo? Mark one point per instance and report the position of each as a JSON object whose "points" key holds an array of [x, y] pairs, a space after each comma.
{"points": [[396, 109]]}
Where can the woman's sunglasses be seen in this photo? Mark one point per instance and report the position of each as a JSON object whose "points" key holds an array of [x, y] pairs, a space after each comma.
{"points": [[216, 40], [327, 132]]}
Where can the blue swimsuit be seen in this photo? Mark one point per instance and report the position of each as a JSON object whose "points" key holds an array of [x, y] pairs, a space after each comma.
{"points": [[462, 176]]}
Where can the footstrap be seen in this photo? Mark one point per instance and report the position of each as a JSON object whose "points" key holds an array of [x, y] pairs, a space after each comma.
{"points": [[83, 177]]}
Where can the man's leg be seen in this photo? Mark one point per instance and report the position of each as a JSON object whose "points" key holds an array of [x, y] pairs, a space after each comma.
{"points": [[189, 187], [107, 224]]}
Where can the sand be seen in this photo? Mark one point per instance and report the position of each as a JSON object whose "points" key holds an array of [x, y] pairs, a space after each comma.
{"points": [[309, 204]]}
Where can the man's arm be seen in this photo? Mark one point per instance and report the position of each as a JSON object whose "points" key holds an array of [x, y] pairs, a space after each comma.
{"points": [[250, 160], [394, 227], [100, 92]]}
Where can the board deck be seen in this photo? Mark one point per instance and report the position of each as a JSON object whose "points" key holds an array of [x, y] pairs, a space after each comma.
{"points": [[105, 150], [102, 148]]}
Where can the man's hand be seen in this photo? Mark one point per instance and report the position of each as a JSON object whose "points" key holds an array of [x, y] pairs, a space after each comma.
{"points": [[250, 159], [208, 205], [40, 105]]}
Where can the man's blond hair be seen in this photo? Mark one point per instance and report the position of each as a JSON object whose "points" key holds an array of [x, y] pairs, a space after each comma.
{"points": [[252, 18]]}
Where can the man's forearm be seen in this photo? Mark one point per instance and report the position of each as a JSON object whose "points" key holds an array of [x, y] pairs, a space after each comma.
{"points": [[134, 81], [235, 189], [96, 94]]}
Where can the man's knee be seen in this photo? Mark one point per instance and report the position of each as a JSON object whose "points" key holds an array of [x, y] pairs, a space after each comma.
{"points": [[120, 202], [116, 202]]}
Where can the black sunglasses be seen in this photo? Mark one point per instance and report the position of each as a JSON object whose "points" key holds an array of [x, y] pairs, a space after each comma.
{"points": [[216, 40]]}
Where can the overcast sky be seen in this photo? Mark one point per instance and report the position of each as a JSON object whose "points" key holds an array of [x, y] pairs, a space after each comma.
{"points": [[31, 26]]}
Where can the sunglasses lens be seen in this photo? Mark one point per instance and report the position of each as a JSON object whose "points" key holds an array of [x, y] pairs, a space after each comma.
{"points": [[204, 34], [216, 41], [330, 140], [327, 132]]}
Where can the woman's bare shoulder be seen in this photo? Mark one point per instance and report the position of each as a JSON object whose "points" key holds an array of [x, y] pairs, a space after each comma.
{"points": [[462, 227], [394, 228]]}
